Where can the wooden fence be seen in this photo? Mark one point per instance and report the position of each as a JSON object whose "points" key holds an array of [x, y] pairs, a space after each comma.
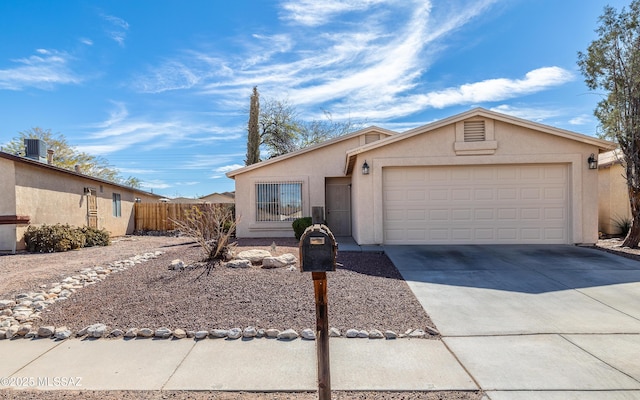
{"points": [[159, 216]]}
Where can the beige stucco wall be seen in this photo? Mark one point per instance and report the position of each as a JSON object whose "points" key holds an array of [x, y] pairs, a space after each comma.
{"points": [[7, 204], [48, 197], [507, 144], [310, 168], [515, 145], [613, 204]]}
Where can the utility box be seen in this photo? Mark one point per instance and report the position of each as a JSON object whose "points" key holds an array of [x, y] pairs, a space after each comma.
{"points": [[318, 249]]}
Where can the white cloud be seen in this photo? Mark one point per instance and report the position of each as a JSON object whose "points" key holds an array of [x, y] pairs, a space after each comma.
{"points": [[172, 75], [530, 113], [314, 13], [44, 70], [86, 41], [122, 131], [581, 120], [117, 28], [228, 168], [154, 184]]}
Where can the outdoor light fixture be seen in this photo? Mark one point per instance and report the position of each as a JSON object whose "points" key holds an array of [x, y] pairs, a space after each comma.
{"points": [[365, 168], [592, 161]]}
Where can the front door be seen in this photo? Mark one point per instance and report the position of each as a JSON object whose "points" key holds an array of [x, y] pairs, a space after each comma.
{"points": [[338, 200], [92, 209]]}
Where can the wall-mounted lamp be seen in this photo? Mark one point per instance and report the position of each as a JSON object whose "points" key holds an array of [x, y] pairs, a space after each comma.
{"points": [[87, 190], [138, 200], [592, 161], [365, 168]]}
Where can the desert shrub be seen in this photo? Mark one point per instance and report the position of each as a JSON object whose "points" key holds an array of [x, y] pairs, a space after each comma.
{"points": [[299, 225], [58, 237], [212, 226], [53, 238], [95, 237], [623, 224]]}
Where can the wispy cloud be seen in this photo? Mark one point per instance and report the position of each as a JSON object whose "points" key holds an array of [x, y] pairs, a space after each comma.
{"points": [[530, 113], [44, 70], [314, 13], [121, 131], [376, 69], [117, 28], [221, 171], [581, 120], [86, 41]]}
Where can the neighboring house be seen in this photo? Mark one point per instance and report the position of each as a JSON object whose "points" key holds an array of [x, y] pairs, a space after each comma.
{"points": [[613, 204], [219, 198], [35, 192], [479, 177]]}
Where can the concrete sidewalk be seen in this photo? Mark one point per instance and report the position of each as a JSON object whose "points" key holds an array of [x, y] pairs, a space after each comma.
{"points": [[232, 365]]}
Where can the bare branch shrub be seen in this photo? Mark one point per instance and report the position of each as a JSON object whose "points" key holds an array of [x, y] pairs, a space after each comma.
{"points": [[212, 226]]}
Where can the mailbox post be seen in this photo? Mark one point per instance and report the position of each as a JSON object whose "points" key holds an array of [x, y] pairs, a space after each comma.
{"points": [[318, 251]]}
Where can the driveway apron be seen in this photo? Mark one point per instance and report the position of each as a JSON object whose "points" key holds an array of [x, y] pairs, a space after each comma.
{"points": [[533, 318]]}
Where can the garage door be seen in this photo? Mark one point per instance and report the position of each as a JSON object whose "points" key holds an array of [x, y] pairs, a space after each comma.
{"points": [[476, 204]]}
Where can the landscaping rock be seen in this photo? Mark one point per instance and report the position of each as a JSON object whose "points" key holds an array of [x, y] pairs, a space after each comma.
{"points": [[163, 333], [288, 334], [96, 330], [390, 335], [219, 333], [375, 334], [201, 334], [131, 333], [308, 334], [7, 304], [249, 332], [352, 333], [235, 333], [417, 334], [23, 330], [116, 333], [280, 261], [238, 264], [272, 333], [46, 331], [255, 255], [432, 331], [62, 333], [179, 334], [145, 332], [334, 332], [176, 265]]}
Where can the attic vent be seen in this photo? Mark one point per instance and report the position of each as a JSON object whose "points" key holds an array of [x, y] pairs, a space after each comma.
{"points": [[474, 131], [36, 149]]}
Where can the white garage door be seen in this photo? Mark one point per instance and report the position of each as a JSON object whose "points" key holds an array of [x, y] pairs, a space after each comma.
{"points": [[476, 204]]}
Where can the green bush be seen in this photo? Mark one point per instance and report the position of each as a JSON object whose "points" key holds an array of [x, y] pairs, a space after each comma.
{"points": [[95, 237], [299, 226], [57, 238]]}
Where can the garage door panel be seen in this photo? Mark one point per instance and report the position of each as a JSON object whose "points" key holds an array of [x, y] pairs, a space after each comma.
{"points": [[478, 204]]}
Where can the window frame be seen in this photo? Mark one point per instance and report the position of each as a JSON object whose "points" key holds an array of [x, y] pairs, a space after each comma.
{"points": [[116, 205], [274, 192]]}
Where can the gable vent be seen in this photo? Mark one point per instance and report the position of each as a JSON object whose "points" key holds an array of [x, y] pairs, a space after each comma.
{"points": [[474, 131]]}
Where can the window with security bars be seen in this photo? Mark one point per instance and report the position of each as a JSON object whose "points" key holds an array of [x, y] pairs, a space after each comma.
{"points": [[474, 131], [278, 201]]}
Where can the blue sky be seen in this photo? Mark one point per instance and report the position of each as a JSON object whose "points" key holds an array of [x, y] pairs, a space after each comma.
{"points": [[161, 88]]}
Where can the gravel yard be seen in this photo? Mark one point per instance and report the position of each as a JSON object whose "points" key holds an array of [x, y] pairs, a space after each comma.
{"points": [[366, 292]]}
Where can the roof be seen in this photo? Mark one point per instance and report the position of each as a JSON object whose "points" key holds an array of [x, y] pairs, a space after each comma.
{"points": [[38, 164], [602, 145], [371, 129]]}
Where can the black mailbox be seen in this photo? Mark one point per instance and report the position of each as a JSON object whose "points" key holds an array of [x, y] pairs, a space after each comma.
{"points": [[318, 249]]}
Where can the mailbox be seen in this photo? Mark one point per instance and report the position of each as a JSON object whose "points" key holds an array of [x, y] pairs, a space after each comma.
{"points": [[318, 249]]}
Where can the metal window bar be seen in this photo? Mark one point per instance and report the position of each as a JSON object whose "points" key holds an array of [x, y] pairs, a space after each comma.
{"points": [[278, 201]]}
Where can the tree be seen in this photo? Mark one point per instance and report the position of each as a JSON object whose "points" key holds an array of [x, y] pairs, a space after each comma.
{"points": [[279, 127], [253, 136], [612, 63], [282, 130], [65, 156]]}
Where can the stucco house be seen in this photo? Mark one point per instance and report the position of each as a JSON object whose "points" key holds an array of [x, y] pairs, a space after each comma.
{"points": [[479, 177], [613, 203], [34, 192]]}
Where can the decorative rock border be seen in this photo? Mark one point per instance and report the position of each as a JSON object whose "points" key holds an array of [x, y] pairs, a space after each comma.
{"points": [[18, 316]]}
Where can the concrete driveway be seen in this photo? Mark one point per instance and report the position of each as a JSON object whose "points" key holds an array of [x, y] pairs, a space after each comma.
{"points": [[527, 321]]}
